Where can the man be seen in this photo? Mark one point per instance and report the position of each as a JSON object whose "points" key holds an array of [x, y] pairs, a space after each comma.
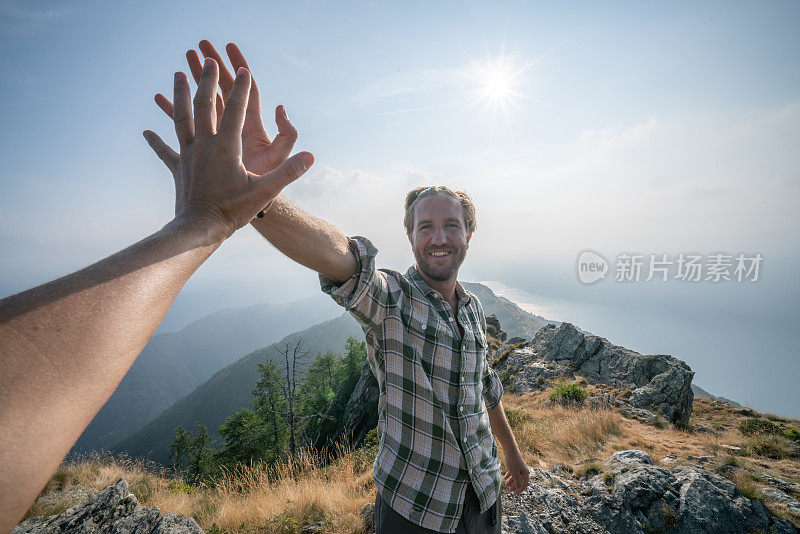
{"points": [[65, 345], [437, 468]]}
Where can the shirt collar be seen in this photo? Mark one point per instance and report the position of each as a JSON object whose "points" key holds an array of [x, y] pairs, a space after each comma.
{"points": [[461, 295]]}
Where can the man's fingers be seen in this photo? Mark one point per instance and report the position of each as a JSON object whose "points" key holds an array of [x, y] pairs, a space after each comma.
{"points": [[225, 77], [252, 120], [288, 171], [162, 150], [182, 111], [197, 70], [287, 134], [233, 119], [164, 103], [195, 65], [205, 122], [236, 57]]}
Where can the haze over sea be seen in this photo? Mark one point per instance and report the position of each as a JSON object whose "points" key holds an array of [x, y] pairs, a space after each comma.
{"points": [[728, 358]]}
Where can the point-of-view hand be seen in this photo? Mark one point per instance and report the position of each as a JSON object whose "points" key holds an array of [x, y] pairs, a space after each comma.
{"points": [[211, 180], [259, 154]]}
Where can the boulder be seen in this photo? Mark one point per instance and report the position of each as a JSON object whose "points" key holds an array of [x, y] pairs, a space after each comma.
{"points": [[659, 383], [111, 510]]}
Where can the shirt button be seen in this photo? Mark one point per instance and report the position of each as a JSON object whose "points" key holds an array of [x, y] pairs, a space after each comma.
{"points": [[462, 408], [465, 439], [450, 319], [424, 325]]}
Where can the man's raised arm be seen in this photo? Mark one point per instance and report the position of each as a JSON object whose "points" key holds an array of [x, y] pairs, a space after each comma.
{"points": [[65, 346], [314, 243], [309, 241]]}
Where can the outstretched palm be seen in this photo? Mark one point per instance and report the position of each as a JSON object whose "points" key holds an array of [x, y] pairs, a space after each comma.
{"points": [[259, 154]]}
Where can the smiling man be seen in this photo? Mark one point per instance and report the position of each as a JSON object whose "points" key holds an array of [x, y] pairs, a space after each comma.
{"points": [[439, 407]]}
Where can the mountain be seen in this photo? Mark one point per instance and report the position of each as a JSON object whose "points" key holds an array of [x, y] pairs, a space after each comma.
{"points": [[700, 392], [228, 391], [173, 364], [516, 321]]}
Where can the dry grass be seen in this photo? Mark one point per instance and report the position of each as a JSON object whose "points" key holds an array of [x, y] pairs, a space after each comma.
{"points": [[552, 434], [255, 498]]}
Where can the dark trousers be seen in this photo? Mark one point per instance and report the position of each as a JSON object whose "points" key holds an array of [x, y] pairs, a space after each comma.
{"points": [[387, 521]]}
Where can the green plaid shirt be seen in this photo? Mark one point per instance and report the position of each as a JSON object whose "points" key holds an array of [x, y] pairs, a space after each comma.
{"points": [[435, 389]]}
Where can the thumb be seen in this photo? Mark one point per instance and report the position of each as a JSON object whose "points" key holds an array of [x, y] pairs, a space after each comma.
{"points": [[289, 171], [162, 150]]}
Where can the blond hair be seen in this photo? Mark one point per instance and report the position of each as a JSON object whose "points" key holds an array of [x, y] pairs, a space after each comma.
{"points": [[421, 192]]}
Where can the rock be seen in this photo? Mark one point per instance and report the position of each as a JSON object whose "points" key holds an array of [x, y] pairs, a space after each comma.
{"points": [[361, 412], [731, 447], [711, 503], [368, 517], [111, 510], [660, 383], [699, 459], [629, 456], [313, 528], [520, 524], [640, 497], [776, 495]]}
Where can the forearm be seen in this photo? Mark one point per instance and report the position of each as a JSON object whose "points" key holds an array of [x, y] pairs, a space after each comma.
{"points": [[309, 241], [502, 430], [66, 345]]}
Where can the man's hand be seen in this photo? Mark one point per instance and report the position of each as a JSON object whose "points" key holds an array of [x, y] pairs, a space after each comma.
{"points": [[516, 478], [259, 154], [211, 181]]}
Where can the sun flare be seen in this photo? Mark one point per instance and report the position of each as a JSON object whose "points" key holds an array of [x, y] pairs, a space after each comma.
{"points": [[496, 83], [497, 86]]}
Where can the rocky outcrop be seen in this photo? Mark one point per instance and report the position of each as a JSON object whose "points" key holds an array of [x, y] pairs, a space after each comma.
{"points": [[633, 495], [111, 510], [360, 414], [659, 383]]}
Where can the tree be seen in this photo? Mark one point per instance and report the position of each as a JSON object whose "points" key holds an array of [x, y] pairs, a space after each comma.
{"points": [[317, 390], [247, 437], [292, 355], [191, 454], [270, 404]]}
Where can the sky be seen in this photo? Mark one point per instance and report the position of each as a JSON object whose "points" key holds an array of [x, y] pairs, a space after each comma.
{"points": [[623, 128]]}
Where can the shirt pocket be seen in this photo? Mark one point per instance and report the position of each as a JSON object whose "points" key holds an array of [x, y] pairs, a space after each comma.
{"points": [[421, 339]]}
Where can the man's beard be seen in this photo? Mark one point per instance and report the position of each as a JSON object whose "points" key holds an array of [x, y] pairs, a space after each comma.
{"points": [[440, 275]]}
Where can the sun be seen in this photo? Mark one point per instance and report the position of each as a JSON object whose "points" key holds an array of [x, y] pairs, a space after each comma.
{"points": [[497, 86], [496, 82]]}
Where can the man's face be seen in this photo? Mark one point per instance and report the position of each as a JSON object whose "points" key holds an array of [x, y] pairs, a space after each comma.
{"points": [[439, 236]]}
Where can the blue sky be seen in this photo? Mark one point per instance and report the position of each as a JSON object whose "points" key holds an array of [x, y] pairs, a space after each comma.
{"points": [[645, 127]]}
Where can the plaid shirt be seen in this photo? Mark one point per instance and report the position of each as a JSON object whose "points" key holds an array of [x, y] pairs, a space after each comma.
{"points": [[435, 389]]}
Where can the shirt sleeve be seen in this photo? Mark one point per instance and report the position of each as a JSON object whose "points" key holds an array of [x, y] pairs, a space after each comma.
{"points": [[492, 386], [366, 294]]}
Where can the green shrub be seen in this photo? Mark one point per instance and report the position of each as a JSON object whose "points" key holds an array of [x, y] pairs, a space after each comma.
{"points": [[792, 433], [608, 477], [777, 447], [371, 439], [178, 486], [507, 379], [515, 417], [588, 469], [754, 425], [569, 392]]}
